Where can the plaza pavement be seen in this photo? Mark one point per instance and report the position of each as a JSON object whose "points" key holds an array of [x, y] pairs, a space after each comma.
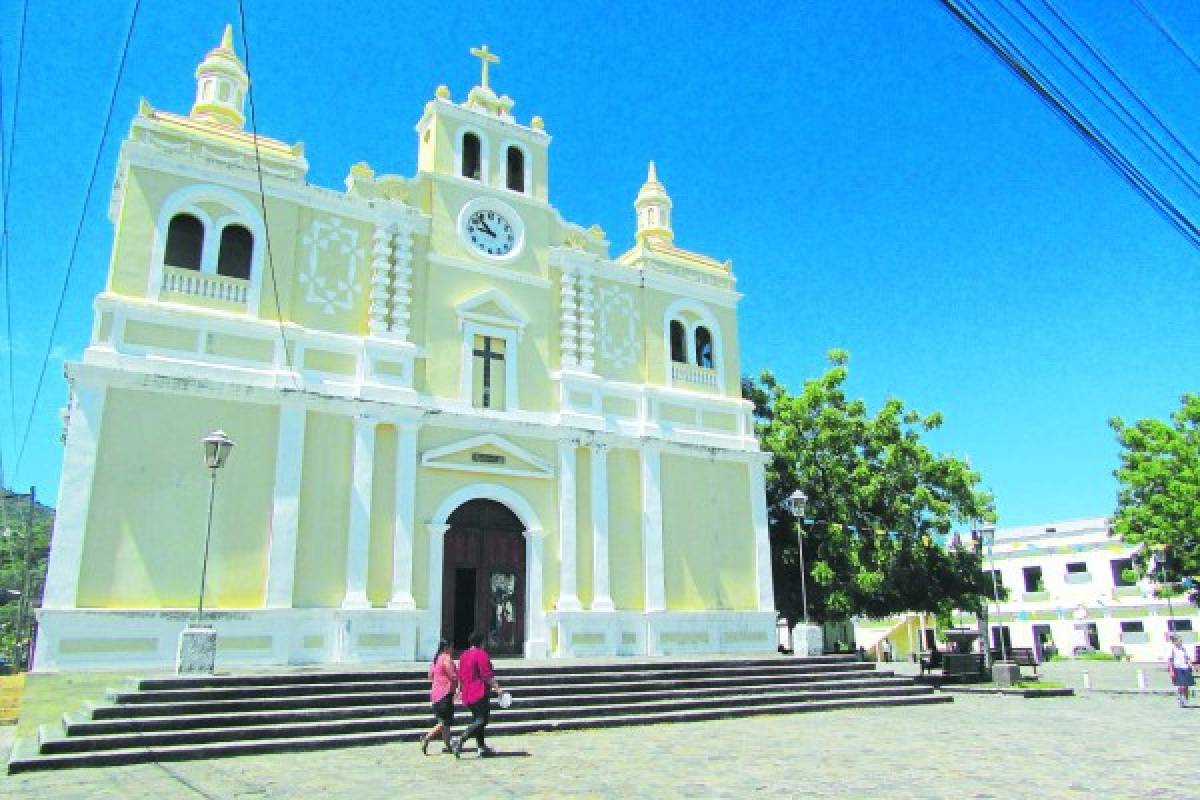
{"points": [[1093, 745]]}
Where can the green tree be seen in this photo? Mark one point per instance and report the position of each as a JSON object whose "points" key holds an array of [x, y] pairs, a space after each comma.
{"points": [[1158, 494], [14, 515], [880, 503]]}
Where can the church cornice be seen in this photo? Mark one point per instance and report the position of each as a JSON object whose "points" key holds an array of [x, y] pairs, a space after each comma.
{"points": [[452, 110]]}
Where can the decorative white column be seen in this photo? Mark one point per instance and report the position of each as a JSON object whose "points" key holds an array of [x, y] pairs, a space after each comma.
{"points": [[401, 282], [762, 538], [74, 496], [537, 636], [285, 505], [601, 592], [402, 529], [568, 319], [586, 319], [381, 268], [437, 545], [568, 596], [358, 539], [652, 533]]}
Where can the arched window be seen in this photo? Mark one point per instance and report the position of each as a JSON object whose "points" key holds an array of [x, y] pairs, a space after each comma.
{"points": [[516, 169], [704, 350], [678, 342], [236, 253], [185, 242], [470, 156]]}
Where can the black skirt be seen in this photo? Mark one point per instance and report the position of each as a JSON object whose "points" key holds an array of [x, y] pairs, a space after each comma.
{"points": [[443, 710]]}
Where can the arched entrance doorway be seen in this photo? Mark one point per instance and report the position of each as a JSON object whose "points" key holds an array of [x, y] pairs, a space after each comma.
{"points": [[483, 577]]}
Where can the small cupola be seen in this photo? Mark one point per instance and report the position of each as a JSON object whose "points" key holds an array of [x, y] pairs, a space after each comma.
{"points": [[221, 84], [653, 207]]}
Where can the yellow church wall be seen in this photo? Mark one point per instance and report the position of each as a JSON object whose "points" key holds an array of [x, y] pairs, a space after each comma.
{"points": [[625, 530], [320, 580], [327, 294], [146, 522], [128, 272], [383, 511], [444, 339], [708, 545], [619, 358], [655, 305]]}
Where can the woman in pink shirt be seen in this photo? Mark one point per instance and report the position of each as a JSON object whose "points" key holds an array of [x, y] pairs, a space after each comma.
{"points": [[443, 679], [475, 672]]}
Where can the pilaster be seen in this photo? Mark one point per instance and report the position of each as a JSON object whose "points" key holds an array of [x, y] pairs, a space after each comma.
{"points": [[381, 268], [74, 496], [587, 323], [568, 319], [762, 538], [358, 540], [601, 591], [568, 597], [402, 529], [437, 543], [537, 639], [285, 505], [652, 533], [401, 283]]}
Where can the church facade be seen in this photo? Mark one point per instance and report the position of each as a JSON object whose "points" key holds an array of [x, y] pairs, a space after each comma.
{"points": [[452, 409]]}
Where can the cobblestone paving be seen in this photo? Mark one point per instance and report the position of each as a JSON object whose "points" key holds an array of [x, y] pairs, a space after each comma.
{"points": [[1096, 745]]}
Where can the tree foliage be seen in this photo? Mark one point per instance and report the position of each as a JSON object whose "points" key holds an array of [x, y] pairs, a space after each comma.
{"points": [[14, 516], [881, 504], [1158, 494]]}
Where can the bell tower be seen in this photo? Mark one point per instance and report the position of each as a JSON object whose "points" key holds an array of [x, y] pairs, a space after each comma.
{"points": [[653, 206], [221, 84]]}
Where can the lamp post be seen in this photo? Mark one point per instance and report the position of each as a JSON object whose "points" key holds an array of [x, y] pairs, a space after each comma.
{"points": [[198, 642], [988, 535], [795, 505], [1162, 573], [216, 449]]}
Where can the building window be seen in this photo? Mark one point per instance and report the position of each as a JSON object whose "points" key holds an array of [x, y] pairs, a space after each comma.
{"points": [[995, 579], [678, 342], [704, 350], [1179, 625], [185, 242], [1123, 573], [1076, 568], [488, 373], [998, 632], [516, 169], [1132, 627], [471, 156], [1033, 579], [236, 253]]}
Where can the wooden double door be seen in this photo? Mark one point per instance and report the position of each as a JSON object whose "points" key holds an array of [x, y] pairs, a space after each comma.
{"points": [[483, 578]]}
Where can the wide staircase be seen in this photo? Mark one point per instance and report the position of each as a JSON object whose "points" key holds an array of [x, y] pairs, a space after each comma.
{"points": [[181, 718]]}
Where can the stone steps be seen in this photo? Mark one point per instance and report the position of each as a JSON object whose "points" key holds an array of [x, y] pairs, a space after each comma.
{"points": [[172, 719]]}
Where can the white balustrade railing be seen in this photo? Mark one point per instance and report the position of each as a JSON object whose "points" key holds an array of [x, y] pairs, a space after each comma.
{"points": [[202, 284], [697, 376]]}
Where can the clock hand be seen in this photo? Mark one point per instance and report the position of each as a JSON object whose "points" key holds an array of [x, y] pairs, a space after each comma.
{"points": [[490, 232]]}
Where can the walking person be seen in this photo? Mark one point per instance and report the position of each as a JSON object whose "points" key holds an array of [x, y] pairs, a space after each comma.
{"points": [[476, 678], [443, 679], [1179, 666]]}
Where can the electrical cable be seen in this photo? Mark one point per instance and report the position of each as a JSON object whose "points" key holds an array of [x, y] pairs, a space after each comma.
{"points": [[7, 148], [62, 295], [262, 195], [1178, 169], [1148, 14], [1003, 48]]}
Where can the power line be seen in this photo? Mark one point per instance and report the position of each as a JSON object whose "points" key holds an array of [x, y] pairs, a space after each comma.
{"points": [[262, 194], [1148, 14], [7, 148], [62, 295], [1003, 48]]}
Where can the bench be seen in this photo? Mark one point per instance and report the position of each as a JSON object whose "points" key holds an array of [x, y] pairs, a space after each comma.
{"points": [[1021, 656]]}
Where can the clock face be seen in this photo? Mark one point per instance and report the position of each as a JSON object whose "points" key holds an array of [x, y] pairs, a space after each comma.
{"points": [[490, 232]]}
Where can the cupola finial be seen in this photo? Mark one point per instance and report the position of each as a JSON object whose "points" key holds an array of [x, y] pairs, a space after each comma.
{"points": [[221, 84], [653, 207]]}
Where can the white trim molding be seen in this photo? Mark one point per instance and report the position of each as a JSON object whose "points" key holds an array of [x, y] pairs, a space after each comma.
{"points": [[534, 467]]}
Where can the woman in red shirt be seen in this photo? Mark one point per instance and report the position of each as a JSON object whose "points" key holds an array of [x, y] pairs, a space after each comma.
{"points": [[443, 678], [475, 673]]}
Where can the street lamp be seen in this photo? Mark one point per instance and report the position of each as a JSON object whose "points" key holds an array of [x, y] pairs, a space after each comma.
{"points": [[795, 505], [987, 535], [216, 449], [1162, 572], [198, 642]]}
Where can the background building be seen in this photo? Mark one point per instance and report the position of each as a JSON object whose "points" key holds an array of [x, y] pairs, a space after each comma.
{"points": [[452, 409]]}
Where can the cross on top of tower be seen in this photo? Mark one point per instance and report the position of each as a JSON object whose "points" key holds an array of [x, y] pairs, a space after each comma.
{"points": [[486, 57]]}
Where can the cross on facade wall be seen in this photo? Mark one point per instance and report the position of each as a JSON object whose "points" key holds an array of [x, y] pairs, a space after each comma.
{"points": [[488, 355]]}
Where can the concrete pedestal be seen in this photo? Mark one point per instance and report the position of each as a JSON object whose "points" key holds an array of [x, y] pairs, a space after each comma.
{"points": [[1006, 673], [197, 652], [808, 640]]}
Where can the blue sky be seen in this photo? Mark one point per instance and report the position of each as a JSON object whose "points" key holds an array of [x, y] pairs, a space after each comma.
{"points": [[881, 182]]}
